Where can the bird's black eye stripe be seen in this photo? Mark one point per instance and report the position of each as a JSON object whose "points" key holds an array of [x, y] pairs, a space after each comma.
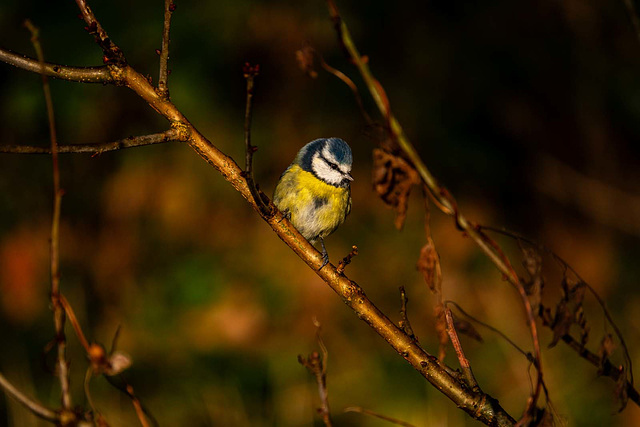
{"points": [[331, 164]]}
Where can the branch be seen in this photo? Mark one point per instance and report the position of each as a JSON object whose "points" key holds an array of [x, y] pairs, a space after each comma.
{"points": [[163, 78], [102, 74], [250, 73], [58, 311], [317, 366], [112, 53], [129, 142], [35, 407], [464, 362]]}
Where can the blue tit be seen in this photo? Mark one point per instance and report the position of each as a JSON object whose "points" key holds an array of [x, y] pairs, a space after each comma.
{"points": [[314, 192]]}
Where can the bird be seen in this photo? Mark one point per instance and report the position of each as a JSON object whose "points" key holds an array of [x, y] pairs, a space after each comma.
{"points": [[314, 192]]}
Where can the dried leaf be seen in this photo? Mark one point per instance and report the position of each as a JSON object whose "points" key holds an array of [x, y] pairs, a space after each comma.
{"points": [[569, 311], [429, 265], [305, 60], [535, 283], [607, 345], [118, 362], [621, 391], [467, 328], [393, 178], [441, 329]]}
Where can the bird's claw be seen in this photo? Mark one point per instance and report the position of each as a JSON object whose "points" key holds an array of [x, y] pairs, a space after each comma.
{"points": [[286, 214], [325, 255]]}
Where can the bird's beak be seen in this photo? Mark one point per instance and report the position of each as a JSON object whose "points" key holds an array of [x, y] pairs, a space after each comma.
{"points": [[348, 176]]}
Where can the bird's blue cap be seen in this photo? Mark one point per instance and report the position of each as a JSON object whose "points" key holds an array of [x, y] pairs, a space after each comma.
{"points": [[338, 147]]}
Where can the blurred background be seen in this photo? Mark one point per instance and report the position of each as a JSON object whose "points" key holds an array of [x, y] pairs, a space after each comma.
{"points": [[527, 111]]}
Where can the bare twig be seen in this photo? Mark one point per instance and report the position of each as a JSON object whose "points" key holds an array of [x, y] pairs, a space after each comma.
{"points": [[528, 355], [29, 403], [404, 324], [464, 362], [360, 410], [163, 79], [58, 311], [317, 365], [113, 54], [347, 260], [138, 407], [97, 149], [250, 73]]}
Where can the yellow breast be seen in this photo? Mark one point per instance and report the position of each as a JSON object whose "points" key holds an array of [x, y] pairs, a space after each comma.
{"points": [[316, 208]]}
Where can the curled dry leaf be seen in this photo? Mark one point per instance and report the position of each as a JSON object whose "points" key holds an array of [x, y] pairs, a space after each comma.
{"points": [[466, 328], [429, 265], [393, 178], [535, 283], [569, 311], [305, 60], [606, 349]]}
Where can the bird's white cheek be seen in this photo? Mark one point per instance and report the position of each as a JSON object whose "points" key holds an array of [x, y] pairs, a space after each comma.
{"points": [[325, 172]]}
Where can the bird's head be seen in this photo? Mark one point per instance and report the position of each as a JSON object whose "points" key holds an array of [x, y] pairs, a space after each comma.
{"points": [[329, 159]]}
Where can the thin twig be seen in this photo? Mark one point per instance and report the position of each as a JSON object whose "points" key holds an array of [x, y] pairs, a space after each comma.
{"points": [[113, 54], [74, 322], [163, 78], [361, 410], [138, 407], [528, 355], [404, 323], [317, 365], [58, 311], [464, 362], [347, 260], [29, 403], [250, 73], [97, 149]]}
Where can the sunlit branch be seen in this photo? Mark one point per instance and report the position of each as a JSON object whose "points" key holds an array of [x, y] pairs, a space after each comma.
{"points": [[101, 74], [163, 78], [130, 142]]}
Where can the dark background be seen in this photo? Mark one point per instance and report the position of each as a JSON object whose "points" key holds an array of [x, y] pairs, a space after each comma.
{"points": [[527, 111]]}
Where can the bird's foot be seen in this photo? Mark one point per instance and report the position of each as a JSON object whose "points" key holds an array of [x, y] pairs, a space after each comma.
{"points": [[325, 255], [286, 214]]}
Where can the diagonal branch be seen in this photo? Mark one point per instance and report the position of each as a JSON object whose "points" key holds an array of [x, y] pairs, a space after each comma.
{"points": [[96, 149]]}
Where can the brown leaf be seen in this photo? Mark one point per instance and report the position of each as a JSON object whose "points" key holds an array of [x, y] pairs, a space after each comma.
{"points": [[305, 60], [393, 178], [535, 283], [569, 311], [441, 329], [607, 345], [429, 265], [467, 328], [621, 391]]}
